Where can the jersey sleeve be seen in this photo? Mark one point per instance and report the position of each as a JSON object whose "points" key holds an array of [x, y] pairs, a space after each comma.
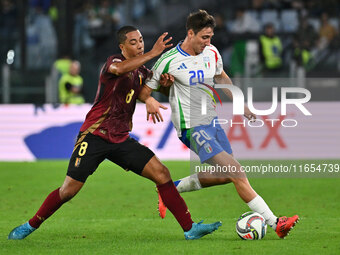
{"points": [[218, 60], [146, 73], [110, 60]]}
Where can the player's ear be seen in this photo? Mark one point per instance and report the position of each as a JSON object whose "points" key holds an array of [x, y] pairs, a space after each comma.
{"points": [[121, 46], [191, 33]]}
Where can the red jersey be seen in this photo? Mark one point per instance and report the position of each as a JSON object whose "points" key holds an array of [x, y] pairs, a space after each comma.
{"points": [[111, 114]]}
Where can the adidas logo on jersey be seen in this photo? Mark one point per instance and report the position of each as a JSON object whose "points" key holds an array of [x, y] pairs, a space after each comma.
{"points": [[182, 66]]}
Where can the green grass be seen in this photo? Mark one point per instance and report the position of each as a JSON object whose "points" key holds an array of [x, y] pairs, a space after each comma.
{"points": [[115, 213]]}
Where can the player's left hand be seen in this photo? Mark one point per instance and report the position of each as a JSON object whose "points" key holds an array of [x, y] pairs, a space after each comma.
{"points": [[248, 114], [152, 108], [166, 80], [161, 44]]}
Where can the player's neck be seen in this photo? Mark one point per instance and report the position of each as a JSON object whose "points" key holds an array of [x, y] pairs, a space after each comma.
{"points": [[187, 47], [125, 55]]}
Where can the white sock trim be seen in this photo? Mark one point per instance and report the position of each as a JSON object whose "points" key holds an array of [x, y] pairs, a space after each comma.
{"points": [[189, 183], [196, 180], [259, 205]]}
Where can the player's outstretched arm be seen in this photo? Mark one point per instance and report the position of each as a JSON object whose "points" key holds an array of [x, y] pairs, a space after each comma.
{"points": [[152, 109], [223, 78], [152, 105], [131, 64]]}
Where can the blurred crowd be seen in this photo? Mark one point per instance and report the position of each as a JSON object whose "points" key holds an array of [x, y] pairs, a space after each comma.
{"points": [[93, 21], [285, 31]]}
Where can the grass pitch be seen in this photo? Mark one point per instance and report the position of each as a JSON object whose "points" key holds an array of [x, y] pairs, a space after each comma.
{"points": [[115, 213]]}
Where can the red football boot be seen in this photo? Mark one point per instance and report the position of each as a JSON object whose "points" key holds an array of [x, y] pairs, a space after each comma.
{"points": [[161, 207], [284, 225]]}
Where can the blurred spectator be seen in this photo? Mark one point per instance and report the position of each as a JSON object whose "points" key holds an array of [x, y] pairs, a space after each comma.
{"points": [[304, 42], [220, 39], [41, 40], [81, 35], [104, 18], [71, 85], [302, 55], [244, 23], [270, 49], [118, 16], [141, 8], [327, 32], [53, 12], [63, 64], [106, 12], [306, 34]]}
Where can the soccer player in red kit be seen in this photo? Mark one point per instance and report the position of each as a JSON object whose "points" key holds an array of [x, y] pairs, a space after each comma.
{"points": [[105, 135]]}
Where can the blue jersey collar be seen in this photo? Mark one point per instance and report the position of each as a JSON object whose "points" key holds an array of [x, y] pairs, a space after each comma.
{"points": [[178, 47]]}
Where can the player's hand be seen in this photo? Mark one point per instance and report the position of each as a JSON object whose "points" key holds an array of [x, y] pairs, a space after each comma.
{"points": [[152, 108], [161, 44], [248, 114], [166, 80]]}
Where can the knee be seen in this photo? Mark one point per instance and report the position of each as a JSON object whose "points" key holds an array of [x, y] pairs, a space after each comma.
{"points": [[222, 180], [225, 181], [239, 181], [163, 175], [237, 174], [67, 193]]}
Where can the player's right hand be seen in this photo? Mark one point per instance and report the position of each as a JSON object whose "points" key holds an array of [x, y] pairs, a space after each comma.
{"points": [[249, 115], [161, 44], [152, 108]]}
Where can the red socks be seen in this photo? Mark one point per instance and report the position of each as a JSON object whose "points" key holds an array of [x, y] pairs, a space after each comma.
{"points": [[168, 192], [175, 204], [50, 205]]}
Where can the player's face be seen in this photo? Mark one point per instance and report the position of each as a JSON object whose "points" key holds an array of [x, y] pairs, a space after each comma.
{"points": [[133, 45], [202, 39]]}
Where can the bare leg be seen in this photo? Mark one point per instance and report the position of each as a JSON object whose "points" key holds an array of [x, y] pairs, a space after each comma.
{"points": [[69, 188], [156, 171], [242, 185], [55, 200], [238, 177], [51, 204]]}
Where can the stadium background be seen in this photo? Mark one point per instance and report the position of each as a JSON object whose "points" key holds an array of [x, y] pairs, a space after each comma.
{"points": [[34, 126]]}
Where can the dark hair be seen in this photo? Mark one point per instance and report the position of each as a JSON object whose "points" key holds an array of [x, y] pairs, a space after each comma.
{"points": [[269, 25], [199, 20], [121, 34]]}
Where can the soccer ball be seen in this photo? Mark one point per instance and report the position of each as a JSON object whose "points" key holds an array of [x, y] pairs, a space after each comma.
{"points": [[251, 226]]}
